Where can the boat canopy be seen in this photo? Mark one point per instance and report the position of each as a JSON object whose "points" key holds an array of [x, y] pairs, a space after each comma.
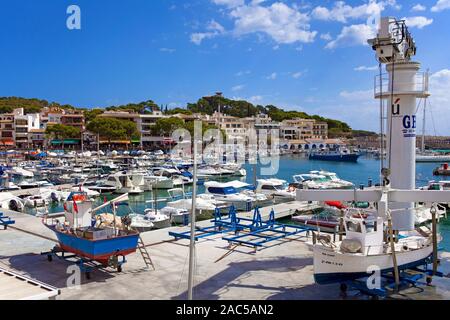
{"points": [[234, 184]]}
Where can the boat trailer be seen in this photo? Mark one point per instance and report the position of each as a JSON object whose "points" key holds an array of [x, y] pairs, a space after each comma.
{"points": [[86, 265], [256, 230], [409, 277], [262, 232], [5, 221], [221, 225]]}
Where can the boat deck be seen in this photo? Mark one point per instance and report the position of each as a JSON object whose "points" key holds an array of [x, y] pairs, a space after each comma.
{"points": [[282, 270]]}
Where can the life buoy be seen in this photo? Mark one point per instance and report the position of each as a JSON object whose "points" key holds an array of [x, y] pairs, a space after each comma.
{"points": [[78, 197], [336, 204]]}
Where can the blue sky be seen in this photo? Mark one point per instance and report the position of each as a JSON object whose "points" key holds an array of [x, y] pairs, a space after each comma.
{"points": [[302, 55]]}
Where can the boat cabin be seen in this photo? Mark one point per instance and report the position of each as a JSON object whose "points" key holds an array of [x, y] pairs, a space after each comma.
{"points": [[367, 230]]}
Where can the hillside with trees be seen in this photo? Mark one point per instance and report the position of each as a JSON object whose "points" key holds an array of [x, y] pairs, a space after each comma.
{"points": [[205, 105]]}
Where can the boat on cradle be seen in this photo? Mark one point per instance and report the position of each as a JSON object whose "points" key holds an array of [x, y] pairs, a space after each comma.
{"points": [[236, 193], [343, 155], [443, 170], [276, 188], [363, 247], [101, 243]]}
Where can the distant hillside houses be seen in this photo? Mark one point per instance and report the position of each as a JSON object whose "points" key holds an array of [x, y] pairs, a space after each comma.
{"points": [[19, 130]]}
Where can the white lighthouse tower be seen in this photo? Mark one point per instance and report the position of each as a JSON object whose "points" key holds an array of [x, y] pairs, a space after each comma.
{"points": [[399, 88]]}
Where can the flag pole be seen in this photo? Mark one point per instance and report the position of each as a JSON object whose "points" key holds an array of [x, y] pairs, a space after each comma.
{"points": [[193, 209]]}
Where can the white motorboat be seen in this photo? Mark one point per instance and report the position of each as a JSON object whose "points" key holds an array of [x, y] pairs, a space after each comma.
{"points": [[125, 182], [141, 223], [276, 188], [11, 202], [35, 201], [321, 180], [159, 220], [157, 182], [21, 172], [334, 179], [27, 184], [234, 193], [179, 210]]}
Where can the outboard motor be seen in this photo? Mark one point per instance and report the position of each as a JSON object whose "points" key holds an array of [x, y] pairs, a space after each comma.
{"points": [[54, 197], [14, 206]]}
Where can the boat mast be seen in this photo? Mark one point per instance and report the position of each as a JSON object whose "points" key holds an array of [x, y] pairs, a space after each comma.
{"points": [[193, 210], [423, 124]]}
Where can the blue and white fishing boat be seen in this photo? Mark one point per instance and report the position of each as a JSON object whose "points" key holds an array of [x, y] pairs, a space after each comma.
{"points": [[81, 235]]}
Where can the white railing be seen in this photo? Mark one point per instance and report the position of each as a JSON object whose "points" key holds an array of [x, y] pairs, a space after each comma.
{"points": [[420, 84]]}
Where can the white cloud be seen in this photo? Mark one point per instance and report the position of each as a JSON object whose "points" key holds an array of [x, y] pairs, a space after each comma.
{"points": [[418, 22], [342, 12], [242, 73], [272, 76], [237, 88], [255, 99], [297, 75], [439, 87], [418, 7], [365, 68], [439, 103], [284, 24], [353, 35], [229, 3], [326, 36], [441, 5], [214, 29]]}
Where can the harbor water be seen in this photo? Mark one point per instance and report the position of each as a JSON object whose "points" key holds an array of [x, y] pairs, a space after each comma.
{"points": [[359, 173]]}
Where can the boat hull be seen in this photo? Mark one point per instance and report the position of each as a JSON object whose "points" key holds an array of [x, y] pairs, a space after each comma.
{"points": [[334, 267], [335, 158], [97, 250]]}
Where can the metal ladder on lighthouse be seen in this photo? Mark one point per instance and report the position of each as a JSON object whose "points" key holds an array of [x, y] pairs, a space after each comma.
{"points": [[145, 255]]}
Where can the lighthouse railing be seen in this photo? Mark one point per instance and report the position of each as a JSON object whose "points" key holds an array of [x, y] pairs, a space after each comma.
{"points": [[419, 86]]}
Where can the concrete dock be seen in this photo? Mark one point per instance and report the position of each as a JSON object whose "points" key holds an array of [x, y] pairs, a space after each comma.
{"points": [[282, 271]]}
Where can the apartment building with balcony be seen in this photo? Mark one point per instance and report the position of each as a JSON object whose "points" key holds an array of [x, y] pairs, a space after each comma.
{"points": [[7, 130], [144, 124]]}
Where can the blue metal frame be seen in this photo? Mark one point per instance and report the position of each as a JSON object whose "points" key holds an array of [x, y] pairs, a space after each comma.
{"points": [[260, 228], [406, 278], [5, 221], [86, 265]]}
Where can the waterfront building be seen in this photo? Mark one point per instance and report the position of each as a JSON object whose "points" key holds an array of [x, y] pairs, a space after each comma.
{"points": [[301, 129], [7, 137]]}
